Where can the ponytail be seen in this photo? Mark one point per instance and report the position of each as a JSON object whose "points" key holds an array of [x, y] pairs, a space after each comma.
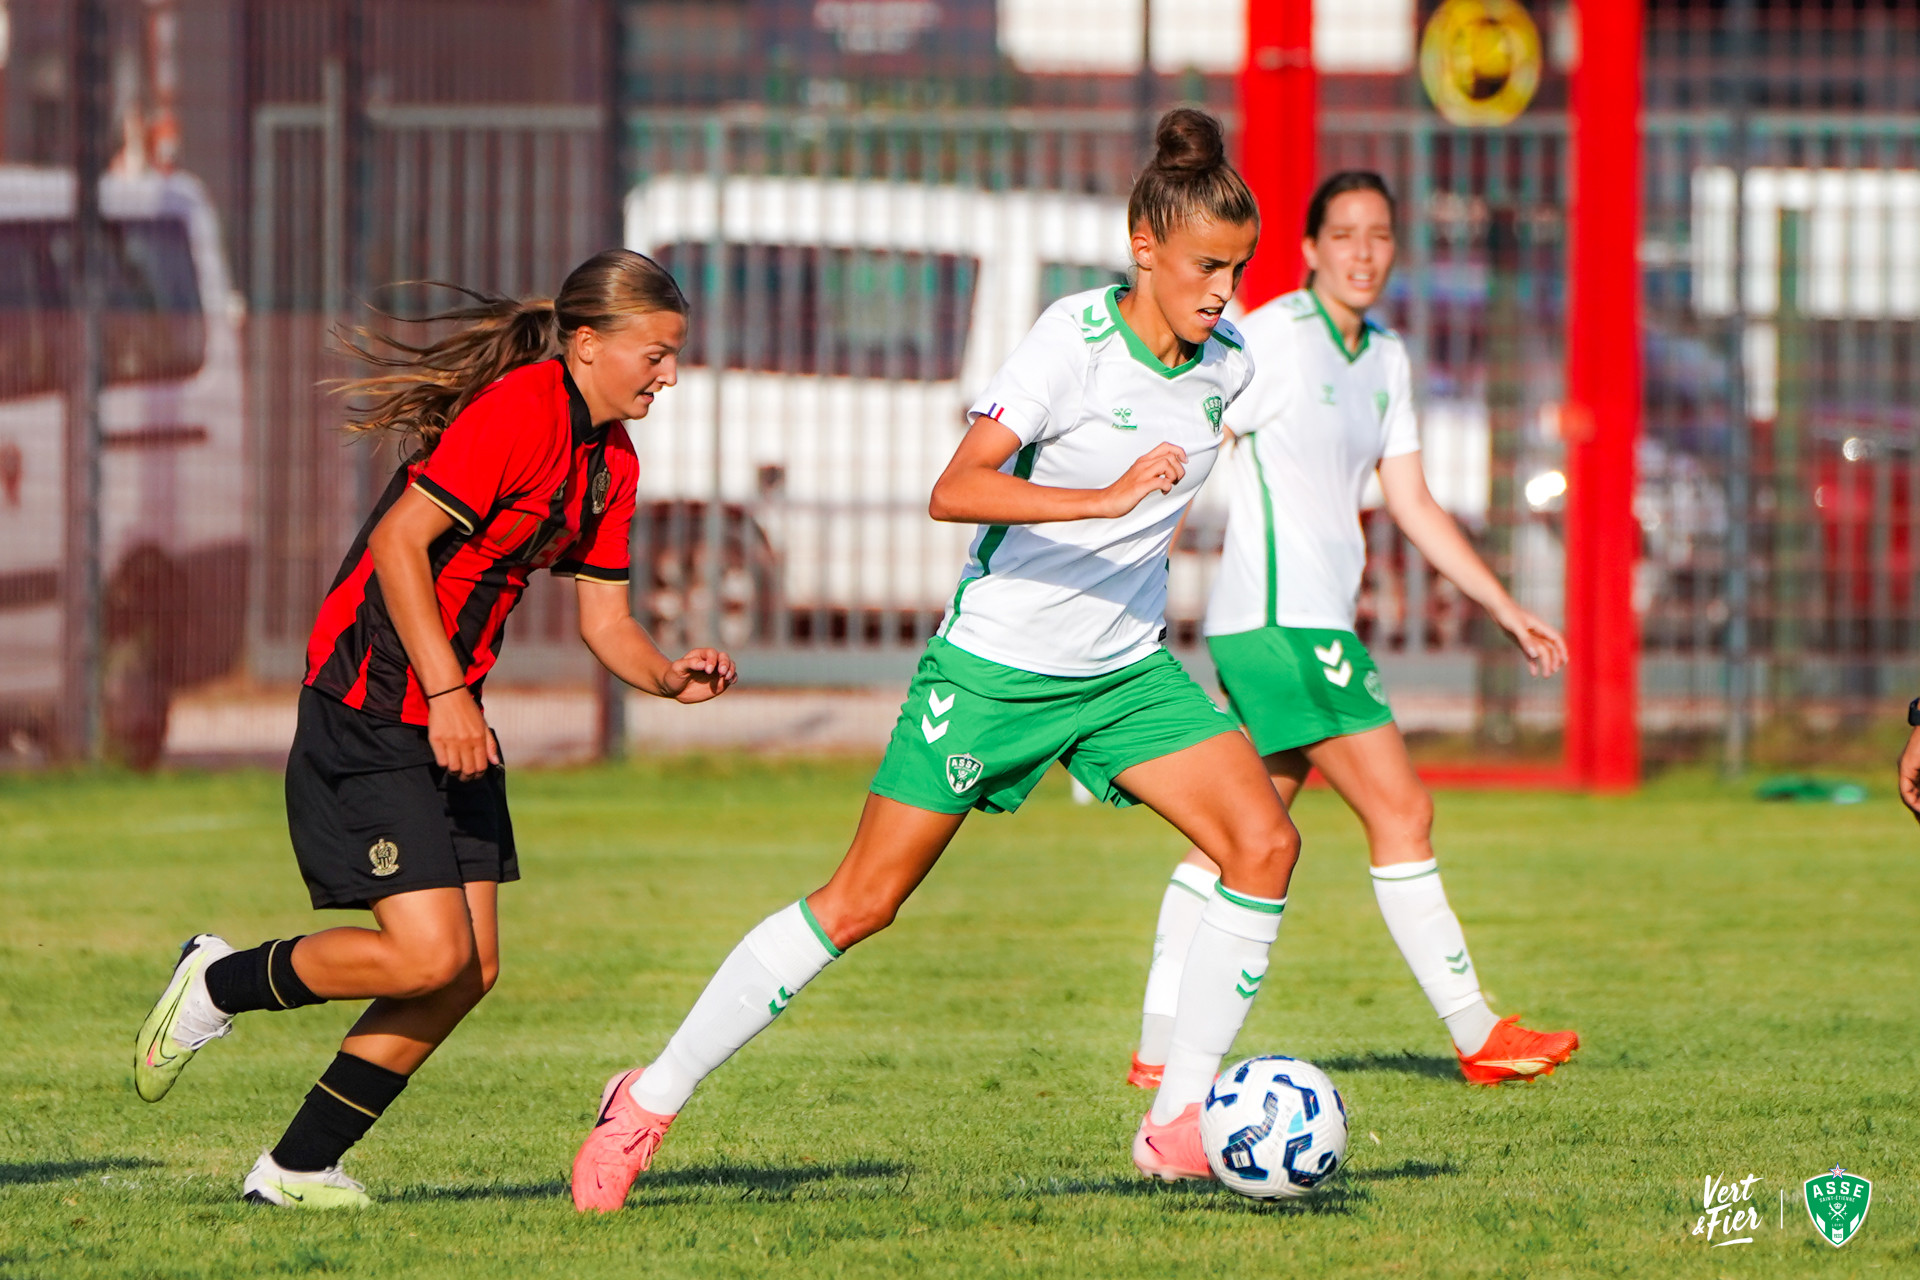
{"points": [[1189, 178], [428, 386]]}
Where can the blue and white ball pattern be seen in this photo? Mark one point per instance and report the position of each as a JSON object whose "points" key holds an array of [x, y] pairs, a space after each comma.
{"points": [[1275, 1128]]}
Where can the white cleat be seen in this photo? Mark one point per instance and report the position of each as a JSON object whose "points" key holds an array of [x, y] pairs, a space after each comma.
{"points": [[268, 1183]]}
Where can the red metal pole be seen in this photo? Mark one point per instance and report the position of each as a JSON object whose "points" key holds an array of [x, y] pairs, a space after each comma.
{"points": [[1279, 118], [1603, 394]]}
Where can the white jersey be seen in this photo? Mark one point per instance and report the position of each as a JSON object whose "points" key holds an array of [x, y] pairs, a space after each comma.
{"points": [[1086, 398], [1311, 430]]}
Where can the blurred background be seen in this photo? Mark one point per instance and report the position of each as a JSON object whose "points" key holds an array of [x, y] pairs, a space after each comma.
{"points": [[868, 202]]}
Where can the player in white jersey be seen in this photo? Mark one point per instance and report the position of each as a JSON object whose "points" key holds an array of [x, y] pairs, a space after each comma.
{"points": [[1333, 404], [1083, 453]]}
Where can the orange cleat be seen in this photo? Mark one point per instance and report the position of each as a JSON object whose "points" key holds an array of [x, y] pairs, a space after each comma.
{"points": [[1171, 1152], [618, 1150], [1512, 1052], [1145, 1075]]}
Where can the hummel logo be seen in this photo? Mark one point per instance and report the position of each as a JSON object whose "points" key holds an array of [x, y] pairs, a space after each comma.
{"points": [[1458, 961], [1337, 672], [1249, 984], [1330, 655], [778, 1005], [928, 729]]}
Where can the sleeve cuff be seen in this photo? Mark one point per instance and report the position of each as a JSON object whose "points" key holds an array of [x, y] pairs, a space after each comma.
{"points": [[590, 572], [1007, 416], [463, 515]]}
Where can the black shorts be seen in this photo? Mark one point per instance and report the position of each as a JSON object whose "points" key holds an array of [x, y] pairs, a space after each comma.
{"points": [[372, 815]]}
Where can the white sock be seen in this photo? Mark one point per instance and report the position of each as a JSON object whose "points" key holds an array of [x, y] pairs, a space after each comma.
{"points": [[751, 988], [201, 1021], [1180, 909], [1224, 967], [1428, 935]]}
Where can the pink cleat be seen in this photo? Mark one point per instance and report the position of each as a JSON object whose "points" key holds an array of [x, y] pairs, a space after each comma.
{"points": [[619, 1148], [1171, 1152]]}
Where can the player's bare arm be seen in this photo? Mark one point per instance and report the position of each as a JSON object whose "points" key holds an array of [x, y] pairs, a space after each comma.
{"points": [[1429, 527], [456, 728], [622, 645], [1909, 768], [973, 489]]}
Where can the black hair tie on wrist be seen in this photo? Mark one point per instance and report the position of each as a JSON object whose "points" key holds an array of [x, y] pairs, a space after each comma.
{"points": [[444, 692]]}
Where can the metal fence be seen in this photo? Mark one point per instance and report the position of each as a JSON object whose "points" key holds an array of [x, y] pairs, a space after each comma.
{"points": [[857, 273]]}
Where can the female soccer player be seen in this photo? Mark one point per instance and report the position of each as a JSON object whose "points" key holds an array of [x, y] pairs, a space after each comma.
{"points": [[1332, 404], [396, 796], [1084, 450]]}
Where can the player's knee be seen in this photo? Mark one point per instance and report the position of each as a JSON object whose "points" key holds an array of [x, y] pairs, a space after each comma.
{"points": [[430, 971], [1412, 816], [489, 974], [862, 923], [850, 921], [1265, 854]]}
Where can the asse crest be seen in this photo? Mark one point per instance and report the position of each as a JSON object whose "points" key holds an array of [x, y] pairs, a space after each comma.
{"points": [[963, 773], [1837, 1201], [1214, 407]]}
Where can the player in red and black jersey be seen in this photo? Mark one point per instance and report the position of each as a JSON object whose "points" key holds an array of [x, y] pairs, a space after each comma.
{"points": [[396, 797]]}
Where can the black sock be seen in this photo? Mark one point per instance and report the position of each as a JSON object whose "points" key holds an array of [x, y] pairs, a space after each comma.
{"points": [[262, 978], [339, 1110]]}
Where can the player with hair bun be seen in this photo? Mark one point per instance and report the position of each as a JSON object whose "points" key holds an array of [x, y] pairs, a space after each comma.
{"points": [[1333, 404], [1083, 452], [396, 796]]}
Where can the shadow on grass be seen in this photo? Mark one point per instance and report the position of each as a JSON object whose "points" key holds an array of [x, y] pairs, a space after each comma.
{"points": [[753, 1180], [1405, 1169], [1335, 1199], [27, 1172], [1406, 1062]]}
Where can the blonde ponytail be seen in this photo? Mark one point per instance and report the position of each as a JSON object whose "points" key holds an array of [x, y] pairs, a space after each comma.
{"points": [[428, 386]]}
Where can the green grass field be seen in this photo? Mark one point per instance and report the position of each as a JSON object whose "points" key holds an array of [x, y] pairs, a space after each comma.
{"points": [[948, 1100]]}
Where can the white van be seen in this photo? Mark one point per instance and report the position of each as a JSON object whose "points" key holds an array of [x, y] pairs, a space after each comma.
{"points": [[858, 319], [173, 479]]}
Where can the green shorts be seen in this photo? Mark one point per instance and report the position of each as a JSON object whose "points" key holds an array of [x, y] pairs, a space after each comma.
{"points": [[1292, 686], [977, 735]]}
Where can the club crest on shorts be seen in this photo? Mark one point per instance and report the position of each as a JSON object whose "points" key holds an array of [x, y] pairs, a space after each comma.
{"points": [[384, 854], [602, 481], [1374, 687], [1837, 1201], [963, 773]]}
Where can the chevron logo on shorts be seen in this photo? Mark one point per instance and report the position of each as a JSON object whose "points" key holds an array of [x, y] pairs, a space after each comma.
{"points": [[1336, 671], [929, 729]]}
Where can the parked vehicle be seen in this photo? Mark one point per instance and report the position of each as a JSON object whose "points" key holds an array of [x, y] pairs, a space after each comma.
{"points": [[173, 500], [857, 319]]}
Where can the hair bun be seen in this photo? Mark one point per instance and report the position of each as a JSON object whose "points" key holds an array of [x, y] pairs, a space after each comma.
{"points": [[1188, 141]]}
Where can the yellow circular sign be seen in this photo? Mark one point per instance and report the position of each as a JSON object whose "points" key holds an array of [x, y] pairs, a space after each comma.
{"points": [[1480, 60]]}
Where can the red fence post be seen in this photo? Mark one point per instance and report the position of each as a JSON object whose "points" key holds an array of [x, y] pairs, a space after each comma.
{"points": [[1603, 401], [1279, 118]]}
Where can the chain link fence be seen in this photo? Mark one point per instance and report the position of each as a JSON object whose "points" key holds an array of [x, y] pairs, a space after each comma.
{"points": [[859, 258]]}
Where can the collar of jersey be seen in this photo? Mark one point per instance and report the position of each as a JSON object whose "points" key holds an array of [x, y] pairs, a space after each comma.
{"points": [[1138, 349], [577, 414], [1333, 331]]}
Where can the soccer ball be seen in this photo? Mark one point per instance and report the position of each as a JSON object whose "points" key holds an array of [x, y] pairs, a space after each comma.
{"points": [[1274, 1127]]}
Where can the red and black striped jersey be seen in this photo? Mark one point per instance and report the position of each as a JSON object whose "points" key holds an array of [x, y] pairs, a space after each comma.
{"points": [[531, 483]]}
